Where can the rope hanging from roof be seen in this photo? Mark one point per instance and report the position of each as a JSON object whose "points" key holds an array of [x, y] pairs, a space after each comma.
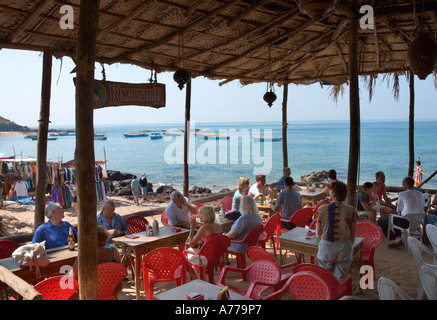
{"points": [[181, 76]]}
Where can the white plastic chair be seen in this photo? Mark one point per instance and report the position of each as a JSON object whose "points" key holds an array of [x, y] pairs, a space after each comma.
{"points": [[431, 232], [389, 290], [417, 248], [428, 277], [415, 226]]}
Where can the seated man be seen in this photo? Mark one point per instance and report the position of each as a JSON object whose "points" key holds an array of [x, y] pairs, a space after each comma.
{"points": [[111, 221], [178, 210], [289, 201], [281, 185], [260, 188], [55, 231], [409, 201]]}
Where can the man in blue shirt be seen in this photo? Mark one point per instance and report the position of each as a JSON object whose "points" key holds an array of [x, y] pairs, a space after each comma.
{"points": [[55, 231], [111, 221]]}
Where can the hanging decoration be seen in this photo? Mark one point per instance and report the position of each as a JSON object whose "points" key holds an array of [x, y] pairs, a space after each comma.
{"points": [[82, 67], [181, 76], [316, 9], [422, 52], [270, 96]]}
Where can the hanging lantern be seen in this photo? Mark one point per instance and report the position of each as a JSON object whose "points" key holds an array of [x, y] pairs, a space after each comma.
{"points": [[181, 77], [269, 97], [316, 9], [422, 54]]}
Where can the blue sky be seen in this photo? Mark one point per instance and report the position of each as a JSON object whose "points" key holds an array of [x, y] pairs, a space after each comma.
{"points": [[20, 95]]}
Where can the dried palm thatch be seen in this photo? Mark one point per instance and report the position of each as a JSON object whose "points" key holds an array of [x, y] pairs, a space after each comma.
{"points": [[225, 39]]}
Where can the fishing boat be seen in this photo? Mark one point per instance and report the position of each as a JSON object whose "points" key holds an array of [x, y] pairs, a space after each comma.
{"points": [[34, 138], [99, 134], [212, 137], [67, 133], [155, 136], [100, 137], [262, 139], [135, 135]]}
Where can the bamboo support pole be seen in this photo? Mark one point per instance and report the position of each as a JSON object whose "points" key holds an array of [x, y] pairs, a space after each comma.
{"points": [[186, 175], [411, 160], [354, 106], [284, 126], [43, 131], [84, 153]]}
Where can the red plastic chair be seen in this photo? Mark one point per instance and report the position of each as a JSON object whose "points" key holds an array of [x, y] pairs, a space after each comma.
{"points": [[7, 247], [110, 274], [163, 265], [250, 239], [313, 224], [263, 274], [58, 288], [136, 224], [198, 205], [268, 232], [301, 218], [319, 204], [373, 237], [213, 250], [287, 270], [338, 289], [227, 203], [304, 285], [164, 218]]}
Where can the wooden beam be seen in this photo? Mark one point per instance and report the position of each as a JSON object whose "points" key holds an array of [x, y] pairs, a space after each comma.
{"points": [[30, 19], [24, 289], [43, 131], [411, 160], [84, 153], [182, 30], [354, 107], [284, 126], [186, 175]]}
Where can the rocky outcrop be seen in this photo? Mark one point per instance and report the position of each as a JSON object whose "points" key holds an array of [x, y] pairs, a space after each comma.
{"points": [[199, 190], [315, 176]]}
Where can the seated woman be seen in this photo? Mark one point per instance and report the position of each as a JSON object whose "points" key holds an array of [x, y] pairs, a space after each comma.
{"points": [[379, 190], [104, 254], [249, 218], [243, 186], [209, 228], [364, 205]]}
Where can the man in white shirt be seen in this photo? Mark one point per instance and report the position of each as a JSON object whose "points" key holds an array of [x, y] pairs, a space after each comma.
{"points": [[409, 201], [260, 188], [178, 210]]}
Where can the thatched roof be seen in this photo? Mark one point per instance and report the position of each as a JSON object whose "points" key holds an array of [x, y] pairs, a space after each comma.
{"points": [[249, 40]]}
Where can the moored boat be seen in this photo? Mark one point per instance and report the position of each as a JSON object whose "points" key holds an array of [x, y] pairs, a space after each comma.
{"points": [[135, 135], [262, 139], [100, 137], [155, 136]]}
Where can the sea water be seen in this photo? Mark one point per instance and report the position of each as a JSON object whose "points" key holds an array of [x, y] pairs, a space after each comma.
{"points": [[217, 164]]}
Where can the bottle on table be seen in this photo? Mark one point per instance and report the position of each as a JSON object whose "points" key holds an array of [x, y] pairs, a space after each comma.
{"points": [[71, 243]]}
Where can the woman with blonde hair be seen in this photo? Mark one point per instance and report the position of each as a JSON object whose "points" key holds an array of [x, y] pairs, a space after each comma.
{"points": [[249, 218], [243, 186], [208, 229]]}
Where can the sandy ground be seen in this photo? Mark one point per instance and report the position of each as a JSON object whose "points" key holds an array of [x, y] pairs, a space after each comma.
{"points": [[395, 264], [9, 133]]}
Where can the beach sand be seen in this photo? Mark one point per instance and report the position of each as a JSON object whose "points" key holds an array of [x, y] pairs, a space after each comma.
{"points": [[9, 133], [393, 263]]}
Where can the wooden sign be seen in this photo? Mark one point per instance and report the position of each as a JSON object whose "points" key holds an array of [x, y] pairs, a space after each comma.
{"points": [[115, 94]]}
